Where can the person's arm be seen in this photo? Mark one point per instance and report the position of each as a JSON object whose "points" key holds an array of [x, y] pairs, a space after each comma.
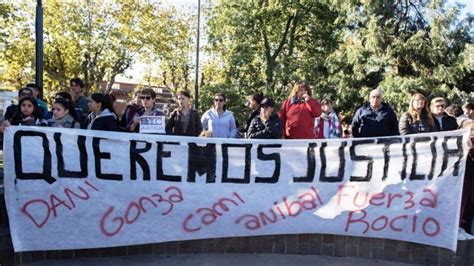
{"points": [[9, 112], [394, 124], [76, 124], [404, 125], [282, 116], [42, 122], [123, 120], [252, 129], [205, 121], [233, 127], [198, 124], [314, 107], [355, 125], [170, 124], [135, 123], [274, 128], [255, 133]]}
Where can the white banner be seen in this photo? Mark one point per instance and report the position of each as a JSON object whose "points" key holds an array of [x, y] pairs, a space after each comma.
{"points": [[73, 189]]}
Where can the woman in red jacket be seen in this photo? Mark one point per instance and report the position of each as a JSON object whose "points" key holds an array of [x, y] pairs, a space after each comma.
{"points": [[298, 113]]}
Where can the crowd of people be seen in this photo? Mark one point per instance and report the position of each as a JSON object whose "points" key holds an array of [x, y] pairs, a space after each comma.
{"points": [[300, 117]]}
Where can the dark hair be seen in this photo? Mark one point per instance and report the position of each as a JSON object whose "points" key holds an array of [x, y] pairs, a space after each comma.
{"points": [[258, 97], [67, 105], [78, 81], [23, 89], [468, 105], [149, 91], [454, 110], [17, 116], [33, 86], [221, 94], [103, 99], [326, 101], [184, 93], [64, 95]]}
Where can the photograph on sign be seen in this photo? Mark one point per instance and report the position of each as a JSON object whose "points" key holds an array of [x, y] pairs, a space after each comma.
{"points": [[152, 124]]}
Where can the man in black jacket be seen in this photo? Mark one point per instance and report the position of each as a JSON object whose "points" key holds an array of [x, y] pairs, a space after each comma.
{"points": [[443, 121], [267, 125], [375, 119]]}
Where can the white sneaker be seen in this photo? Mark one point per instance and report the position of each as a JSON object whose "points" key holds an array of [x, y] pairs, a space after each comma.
{"points": [[461, 234], [468, 236]]}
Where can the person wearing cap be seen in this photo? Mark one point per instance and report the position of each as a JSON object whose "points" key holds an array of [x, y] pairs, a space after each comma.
{"points": [[375, 119], [298, 112], [267, 125]]}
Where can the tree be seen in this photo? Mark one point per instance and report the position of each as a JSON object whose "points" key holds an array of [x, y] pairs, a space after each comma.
{"points": [[94, 40], [175, 69], [264, 45], [343, 48]]}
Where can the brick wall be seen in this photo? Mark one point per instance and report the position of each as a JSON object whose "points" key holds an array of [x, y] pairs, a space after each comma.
{"points": [[314, 244]]}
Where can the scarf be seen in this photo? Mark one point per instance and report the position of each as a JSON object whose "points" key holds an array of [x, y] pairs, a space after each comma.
{"points": [[334, 124]]}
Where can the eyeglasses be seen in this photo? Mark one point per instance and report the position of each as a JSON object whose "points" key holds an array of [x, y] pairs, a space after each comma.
{"points": [[145, 98], [218, 100]]}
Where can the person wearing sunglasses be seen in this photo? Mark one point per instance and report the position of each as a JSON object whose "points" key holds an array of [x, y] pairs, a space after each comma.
{"points": [[442, 120], [147, 98], [184, 121], [267, 125], [22, 93], [219, 120]]}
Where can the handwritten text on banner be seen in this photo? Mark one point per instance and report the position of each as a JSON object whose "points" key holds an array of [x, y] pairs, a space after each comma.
{"points": [[73, 189]]}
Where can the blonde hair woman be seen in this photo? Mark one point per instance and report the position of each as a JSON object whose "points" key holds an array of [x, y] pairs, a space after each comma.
{"points": [[418, 119]]}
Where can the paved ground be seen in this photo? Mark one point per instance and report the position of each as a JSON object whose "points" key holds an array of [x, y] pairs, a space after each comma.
{"points": [[219, 259]]}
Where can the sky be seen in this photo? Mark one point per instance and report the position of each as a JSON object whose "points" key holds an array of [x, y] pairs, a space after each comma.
{"points": [[138, 70]]}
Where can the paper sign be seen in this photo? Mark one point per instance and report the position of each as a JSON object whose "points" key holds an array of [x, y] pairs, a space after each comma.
{"points": [[152, 124]]}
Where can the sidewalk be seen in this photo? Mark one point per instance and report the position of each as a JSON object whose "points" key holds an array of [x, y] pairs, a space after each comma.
{"points": [[219, 259]]}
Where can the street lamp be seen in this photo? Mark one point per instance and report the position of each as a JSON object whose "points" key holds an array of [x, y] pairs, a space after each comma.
{"points": [[196, 80], [39, 46]]}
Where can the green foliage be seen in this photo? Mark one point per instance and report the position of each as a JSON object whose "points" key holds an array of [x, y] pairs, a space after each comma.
{"points": [[95, 40], [343, 48]]}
